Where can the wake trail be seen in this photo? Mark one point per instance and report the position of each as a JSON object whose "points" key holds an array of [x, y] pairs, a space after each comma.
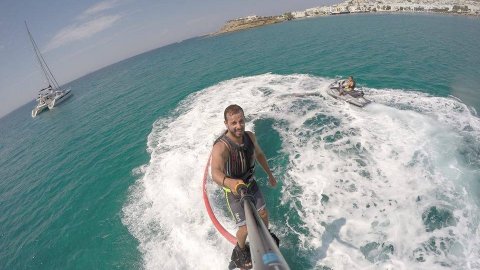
{"points": [[386, 186]]}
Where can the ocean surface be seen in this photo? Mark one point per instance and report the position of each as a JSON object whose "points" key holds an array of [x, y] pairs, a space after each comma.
{"points": [[112, 178]]}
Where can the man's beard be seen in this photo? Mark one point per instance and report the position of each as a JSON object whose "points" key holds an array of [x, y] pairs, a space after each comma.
{"points": [[235, 131]]}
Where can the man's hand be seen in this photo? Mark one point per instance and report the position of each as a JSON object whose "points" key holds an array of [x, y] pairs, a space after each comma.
{"points": [[233, 183], [272, 180]]}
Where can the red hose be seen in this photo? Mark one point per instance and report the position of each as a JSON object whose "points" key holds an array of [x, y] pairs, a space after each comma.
{"points": [[215, 222]]}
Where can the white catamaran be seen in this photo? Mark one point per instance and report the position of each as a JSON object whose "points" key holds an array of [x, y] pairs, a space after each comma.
{"points": [[53, 94]]}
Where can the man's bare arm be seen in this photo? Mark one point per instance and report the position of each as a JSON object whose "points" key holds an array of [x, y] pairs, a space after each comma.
{"points": [[262, 160]]}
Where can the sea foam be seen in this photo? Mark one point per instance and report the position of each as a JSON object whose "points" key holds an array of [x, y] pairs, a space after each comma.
{"points": [[383, 187]]}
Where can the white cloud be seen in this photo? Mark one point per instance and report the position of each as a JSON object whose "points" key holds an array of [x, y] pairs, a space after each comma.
{"points": [[78, 32], [105, 5]]}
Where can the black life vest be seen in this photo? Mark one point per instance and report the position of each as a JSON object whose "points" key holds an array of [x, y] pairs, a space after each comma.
{"points": [[241, 161]]}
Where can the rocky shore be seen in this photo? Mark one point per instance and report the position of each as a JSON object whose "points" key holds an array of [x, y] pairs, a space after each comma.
{"points": [[249, 22]]}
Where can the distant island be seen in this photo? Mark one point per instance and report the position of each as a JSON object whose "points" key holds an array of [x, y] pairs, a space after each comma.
{"points": [[460, 7]]}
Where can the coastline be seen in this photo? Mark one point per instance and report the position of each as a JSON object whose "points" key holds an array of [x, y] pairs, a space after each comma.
{"points": [[457, 8], [247, 23]]}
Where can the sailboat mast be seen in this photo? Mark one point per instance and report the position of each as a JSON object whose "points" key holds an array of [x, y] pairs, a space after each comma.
{"points": [[41, 61]]}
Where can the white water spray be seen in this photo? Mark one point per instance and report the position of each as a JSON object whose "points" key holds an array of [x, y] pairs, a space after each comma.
{"points": [[384, 187]]}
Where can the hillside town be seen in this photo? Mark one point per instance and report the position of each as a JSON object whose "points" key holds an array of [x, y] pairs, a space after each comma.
{"points": [[356, 6], [457, 7]]}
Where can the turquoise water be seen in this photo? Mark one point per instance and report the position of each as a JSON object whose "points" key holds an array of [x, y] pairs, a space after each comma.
{"points": [[112, 177]]}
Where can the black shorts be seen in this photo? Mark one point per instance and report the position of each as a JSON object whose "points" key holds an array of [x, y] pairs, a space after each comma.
{"points": [[236, 208]]}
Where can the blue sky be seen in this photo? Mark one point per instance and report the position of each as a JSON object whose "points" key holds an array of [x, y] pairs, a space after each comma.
{"points": [[79, 37]]}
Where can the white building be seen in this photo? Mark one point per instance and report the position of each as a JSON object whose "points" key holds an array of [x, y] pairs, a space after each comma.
{"points": [[461, 6], [314, 11], [298, 14]]}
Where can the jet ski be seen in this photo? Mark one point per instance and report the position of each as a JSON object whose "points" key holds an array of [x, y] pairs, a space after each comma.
{"points": [[354, 97]]}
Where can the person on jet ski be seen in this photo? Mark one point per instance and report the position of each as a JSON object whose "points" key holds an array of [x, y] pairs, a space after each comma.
{"points": [[349, 84], [348, 87]]}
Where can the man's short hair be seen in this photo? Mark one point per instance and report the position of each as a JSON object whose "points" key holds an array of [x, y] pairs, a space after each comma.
{"points": [[232, 109]]}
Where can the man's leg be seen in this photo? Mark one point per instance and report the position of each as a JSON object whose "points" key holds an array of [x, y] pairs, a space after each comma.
{"points": [[264, 215], [241, 257], [236, 209], [241, 253], [242, 236]]}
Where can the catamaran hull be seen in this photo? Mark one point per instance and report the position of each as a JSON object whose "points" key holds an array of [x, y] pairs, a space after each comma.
{"points": [[59, 99], [38, 109]]}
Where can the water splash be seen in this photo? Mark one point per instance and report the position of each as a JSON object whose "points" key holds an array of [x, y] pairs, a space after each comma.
{"points": [[396, 175]]}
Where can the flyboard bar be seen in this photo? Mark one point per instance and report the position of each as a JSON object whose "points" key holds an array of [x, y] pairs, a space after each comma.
{"points": [[215, 222], [264, 250]]}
